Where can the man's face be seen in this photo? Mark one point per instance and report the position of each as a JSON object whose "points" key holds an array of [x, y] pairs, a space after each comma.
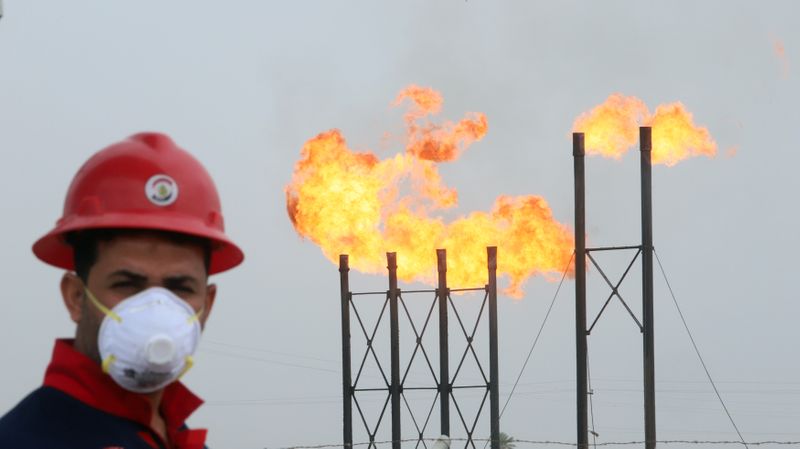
{"points": [[128, 264]]}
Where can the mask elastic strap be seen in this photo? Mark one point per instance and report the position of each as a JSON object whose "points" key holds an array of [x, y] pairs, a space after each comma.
{"points": [[107, 362], [197, 315], [187, 366], [108, 312]]}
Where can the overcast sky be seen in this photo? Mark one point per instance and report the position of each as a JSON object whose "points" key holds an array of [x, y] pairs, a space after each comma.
{"points": [[243, 84]]}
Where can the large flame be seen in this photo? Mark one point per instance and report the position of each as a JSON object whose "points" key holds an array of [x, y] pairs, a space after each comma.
{"points": [[354, 203], [612, 128]]}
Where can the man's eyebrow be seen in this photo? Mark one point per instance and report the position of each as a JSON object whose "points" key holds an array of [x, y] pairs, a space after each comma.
{"points": [[135, 277], [180, 279]]}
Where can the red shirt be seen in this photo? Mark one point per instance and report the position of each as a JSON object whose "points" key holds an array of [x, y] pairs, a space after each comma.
{"points": [[82, 378]]}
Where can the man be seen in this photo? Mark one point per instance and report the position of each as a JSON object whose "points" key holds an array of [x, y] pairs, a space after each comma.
{"points": [[141, 231]]}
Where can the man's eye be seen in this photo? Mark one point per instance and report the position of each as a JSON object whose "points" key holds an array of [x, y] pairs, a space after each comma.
{"points": [[182, 289], [122, 284]]}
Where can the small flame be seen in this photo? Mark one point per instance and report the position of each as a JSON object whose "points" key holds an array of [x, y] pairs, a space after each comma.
{"points": [[612, 128], [780, 52], [354, 203], [433, 142], [675, 136]]}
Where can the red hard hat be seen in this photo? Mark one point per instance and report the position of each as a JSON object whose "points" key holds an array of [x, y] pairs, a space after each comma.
{"points": [[143, 182]]}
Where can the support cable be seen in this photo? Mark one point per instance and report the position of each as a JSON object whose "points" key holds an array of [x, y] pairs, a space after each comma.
{"points": [[697, 351], [538, 334], [535, 340]]}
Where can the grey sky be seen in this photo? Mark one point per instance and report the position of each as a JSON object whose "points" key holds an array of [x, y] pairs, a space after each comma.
{"points": [[243, 84]]}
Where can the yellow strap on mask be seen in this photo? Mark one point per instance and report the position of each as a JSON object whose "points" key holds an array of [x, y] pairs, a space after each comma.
{"points": [[108, 312], [187, 366], [197, 315], [107, 363]]}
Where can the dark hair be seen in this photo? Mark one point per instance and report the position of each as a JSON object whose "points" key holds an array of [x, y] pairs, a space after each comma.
{"points": [[84, 245]]}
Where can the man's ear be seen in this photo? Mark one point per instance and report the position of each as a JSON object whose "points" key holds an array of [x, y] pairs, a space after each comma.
{"points": [[72, 295], [211, 295]]}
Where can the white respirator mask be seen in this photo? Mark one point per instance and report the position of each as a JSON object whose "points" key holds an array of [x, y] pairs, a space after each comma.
{"points": [[147, 340]]}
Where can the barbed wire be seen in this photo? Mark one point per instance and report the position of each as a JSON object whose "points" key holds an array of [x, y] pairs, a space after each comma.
{"points": [[557, 443]]}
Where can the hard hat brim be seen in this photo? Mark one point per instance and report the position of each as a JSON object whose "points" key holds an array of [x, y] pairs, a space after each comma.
{"points": [[54, 250]]}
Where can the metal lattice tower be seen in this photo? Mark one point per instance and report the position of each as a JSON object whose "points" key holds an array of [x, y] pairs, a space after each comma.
{"points": [[442, 382]]}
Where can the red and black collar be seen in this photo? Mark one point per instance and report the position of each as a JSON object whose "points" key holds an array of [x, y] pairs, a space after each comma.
{"points": [[80, 377]]}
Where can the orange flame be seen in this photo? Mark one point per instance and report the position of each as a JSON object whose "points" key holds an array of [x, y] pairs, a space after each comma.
{"points": [[437, 142], [353, 203], [612, 128], [675, 136]]}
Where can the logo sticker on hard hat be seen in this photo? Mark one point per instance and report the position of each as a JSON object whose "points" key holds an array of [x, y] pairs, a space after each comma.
{"points": [[161, 190]]}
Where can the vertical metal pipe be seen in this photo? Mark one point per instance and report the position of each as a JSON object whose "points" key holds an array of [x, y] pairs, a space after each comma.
{"points": [[645, 144], [394, 329], [347, 382], [442, 293], [580, 292], [494, 391]]}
